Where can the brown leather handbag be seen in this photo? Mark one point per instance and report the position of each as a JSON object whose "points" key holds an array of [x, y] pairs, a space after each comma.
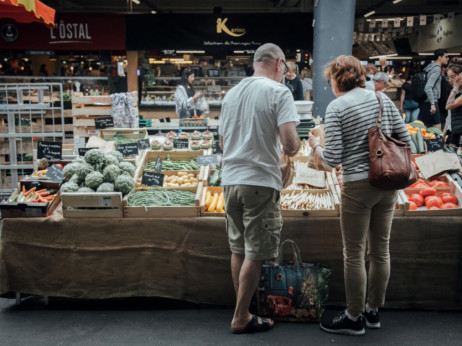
{"points": [[390, 166]]}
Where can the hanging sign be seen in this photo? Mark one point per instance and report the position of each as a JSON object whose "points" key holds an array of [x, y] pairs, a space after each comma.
{"points": [[410, 21], [423, 20], [397, 23]]}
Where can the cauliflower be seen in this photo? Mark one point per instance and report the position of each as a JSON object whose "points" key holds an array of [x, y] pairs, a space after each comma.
{"points": [[85, 189], [110, 173], [106, 187], [94, 156], [110, 160], [69, 187], [70, 169], [83, 170], [117, 154], [124, 184], [93, 180], [127, 167]]}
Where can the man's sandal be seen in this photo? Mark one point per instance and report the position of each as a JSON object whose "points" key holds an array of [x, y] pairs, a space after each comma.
{"points": [[254, 326]]}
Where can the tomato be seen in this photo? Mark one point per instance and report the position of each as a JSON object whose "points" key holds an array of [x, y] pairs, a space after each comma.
{"points": [[440, 184], [433, 201], [449, 198], [419, 182], [412, 205], [448, 206], [429, 191], [421, 186], [59, 165], [417, 199], [434, 208]]}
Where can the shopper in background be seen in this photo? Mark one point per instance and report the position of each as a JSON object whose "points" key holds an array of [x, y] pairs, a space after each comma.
{"points": [[293, 82], [185, 95], [307, 84], [367, 212], [43, 70], [371, 70], [380, 80], [407, 105], [454, 103], [429, 111], [445, 91], [257, 116]]}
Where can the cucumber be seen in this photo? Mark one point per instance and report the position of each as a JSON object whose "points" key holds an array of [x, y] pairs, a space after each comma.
{"points": [[420, 143], [414, 140], [436, 131], [413, 148]]}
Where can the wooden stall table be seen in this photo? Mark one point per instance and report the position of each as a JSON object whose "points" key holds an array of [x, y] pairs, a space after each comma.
{"points": [[189, 258]]}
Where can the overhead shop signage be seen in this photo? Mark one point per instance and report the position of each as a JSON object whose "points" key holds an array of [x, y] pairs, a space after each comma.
{"points": [[81, 31], [218, 31]]}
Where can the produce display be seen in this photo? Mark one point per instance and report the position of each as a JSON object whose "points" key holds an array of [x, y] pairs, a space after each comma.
{"points": [[214, 202], [419, 132], [305, 200], [215, 178], [99, 172], [171, 165], [430, 195], [119, 138], [180, 179], [161, 198], [34, 196]]}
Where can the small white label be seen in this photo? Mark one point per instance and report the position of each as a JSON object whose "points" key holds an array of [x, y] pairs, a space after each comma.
{"points": [[93, 132], [105, 202], [311, 177]]}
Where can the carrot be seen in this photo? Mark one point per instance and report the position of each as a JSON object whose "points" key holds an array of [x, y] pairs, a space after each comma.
{"points": [[43, 194], [40, 191], [49, 198], [24, 188], [29, 191]]}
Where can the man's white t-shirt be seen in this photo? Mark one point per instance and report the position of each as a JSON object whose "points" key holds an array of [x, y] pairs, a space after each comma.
{"points": [[250, 117]]}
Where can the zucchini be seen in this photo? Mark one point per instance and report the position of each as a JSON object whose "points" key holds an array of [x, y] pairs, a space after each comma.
{"points": [[414, 140], [413, 148], [420, 143], [436, 131]]}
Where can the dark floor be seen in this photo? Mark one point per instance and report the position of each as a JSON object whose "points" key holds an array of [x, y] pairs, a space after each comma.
{"points": [[166, 322]]}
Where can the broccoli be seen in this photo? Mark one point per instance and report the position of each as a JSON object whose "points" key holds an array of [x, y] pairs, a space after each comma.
{"points": [[117, 154], [110, 160], [110, 173], [69, 187], [83, 170], [85, 189], [127, 167], [70, 169], [106, 187], [124, 184], [93, 180], [94, 156]]}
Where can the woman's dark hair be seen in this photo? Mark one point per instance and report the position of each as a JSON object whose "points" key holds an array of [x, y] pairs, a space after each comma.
{"points": [[347, 72], [455, 67], [184, 77]]}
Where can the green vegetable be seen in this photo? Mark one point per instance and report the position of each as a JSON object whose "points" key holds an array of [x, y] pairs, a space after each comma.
{"points": [[94, 156], [75, 179], [69, 187], [413, 148], [70, 169], [110, 160], [119, 138], [127, 167], [110, 173], [83, 170], [124, 184], [215, 178], [161, 198], [117, 154], [80, 159], [420, 143], [106, 187], [169, 165], [85, 189], [94, 180], [436, 131]]}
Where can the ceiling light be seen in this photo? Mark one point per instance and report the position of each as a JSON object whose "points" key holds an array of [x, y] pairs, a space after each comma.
{"points": [[368, 14], [238, 52], [191, 51], [396, 1], [400, 57], [153, 12], [136, 1]]}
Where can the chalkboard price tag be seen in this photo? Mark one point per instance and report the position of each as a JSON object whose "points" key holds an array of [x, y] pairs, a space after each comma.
{"points": [[435, 144], [206, 160], [55, 173], [128, 149], [181, 143], [158, 166], [143, 144], [152, 179], [83, 151], [49, 150], [104, 123]]}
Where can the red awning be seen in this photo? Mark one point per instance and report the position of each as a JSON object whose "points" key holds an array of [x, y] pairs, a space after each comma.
{"points": [[27, 11]]}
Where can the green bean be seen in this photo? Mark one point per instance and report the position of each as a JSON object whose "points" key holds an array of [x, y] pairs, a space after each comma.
{"points": [[169, 165], [161, 198]]}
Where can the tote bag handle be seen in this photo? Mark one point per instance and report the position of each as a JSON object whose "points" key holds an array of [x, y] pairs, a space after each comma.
{"points": [[295, 249]]}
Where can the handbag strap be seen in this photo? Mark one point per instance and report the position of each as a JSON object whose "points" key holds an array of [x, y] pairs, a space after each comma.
{"points": [[295, 249], [378, 123]]}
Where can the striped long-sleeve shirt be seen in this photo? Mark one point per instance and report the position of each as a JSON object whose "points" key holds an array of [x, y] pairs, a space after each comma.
{"points": [[348, 119]]}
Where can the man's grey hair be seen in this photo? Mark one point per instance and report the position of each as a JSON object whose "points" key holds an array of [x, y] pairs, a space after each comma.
{"points": [[380, 77], [268, 53]]}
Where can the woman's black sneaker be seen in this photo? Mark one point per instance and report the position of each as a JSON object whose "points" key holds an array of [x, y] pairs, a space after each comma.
{"points": [[372, 319], [341, 324]]}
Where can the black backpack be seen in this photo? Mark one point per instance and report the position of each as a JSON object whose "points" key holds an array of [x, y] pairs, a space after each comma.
{"points": [[418, 87]]}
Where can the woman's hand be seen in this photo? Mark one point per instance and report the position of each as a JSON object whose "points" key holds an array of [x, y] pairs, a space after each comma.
{"points": [[313, 140], [197, 95]]}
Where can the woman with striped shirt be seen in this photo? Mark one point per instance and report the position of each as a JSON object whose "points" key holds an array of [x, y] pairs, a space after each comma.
{"points": [[367, 212]]}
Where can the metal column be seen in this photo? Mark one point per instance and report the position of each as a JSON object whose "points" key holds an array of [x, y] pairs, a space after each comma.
{"points": [[333, 36]]}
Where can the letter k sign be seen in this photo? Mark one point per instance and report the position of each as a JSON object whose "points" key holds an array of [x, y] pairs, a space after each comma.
{"points": [[221, 26]]}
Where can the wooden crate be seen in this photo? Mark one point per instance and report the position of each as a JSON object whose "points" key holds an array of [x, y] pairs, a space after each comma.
{"points": [[212, 189], [164, 212], [95, 204], [312, 212], [108, 134], [454, 188], [27, 209], [445, 178], [166, 173]]}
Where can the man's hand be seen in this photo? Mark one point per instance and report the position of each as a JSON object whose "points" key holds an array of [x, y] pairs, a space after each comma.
{"points": [[313, 140], [432, 109]]}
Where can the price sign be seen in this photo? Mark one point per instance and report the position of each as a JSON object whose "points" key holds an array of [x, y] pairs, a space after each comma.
{"points": [[152, 179], [128, 149], [181, 143], [143, 144], [50, 150], [104, 123], [82, 151], [158, 166], [206, 160], [435, 144], [311, 177], [55, 173]]}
